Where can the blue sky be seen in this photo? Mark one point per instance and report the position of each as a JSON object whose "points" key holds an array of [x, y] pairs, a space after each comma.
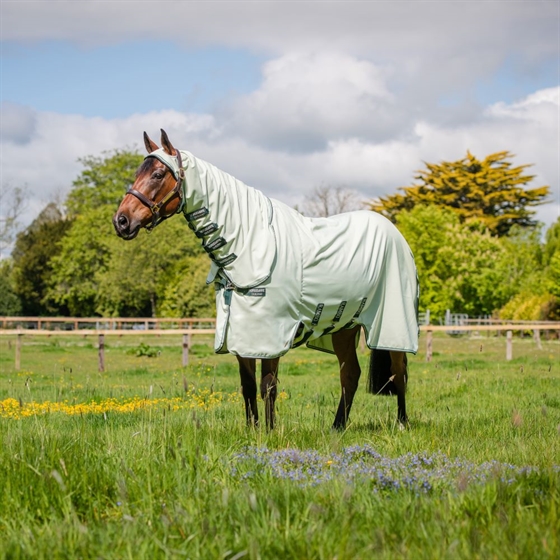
{"points": [[512, 81], [287, 96], [119, 80], [123, 79]]}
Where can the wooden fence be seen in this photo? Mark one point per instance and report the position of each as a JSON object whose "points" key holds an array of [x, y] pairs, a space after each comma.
{"points": [[45, 328], [101, 334], [509, 328]]}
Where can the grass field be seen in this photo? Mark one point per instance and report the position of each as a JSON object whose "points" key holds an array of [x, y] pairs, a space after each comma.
{"points": [[152, 460]]}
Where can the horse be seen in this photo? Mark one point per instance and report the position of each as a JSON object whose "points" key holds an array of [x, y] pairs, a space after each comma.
{"points": [[283, 280]]}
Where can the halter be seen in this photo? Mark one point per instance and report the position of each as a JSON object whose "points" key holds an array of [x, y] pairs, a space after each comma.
{"points": [[156, 207]]}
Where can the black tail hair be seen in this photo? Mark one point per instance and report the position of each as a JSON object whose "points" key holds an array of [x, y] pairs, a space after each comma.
{"points": [[380, 373]]}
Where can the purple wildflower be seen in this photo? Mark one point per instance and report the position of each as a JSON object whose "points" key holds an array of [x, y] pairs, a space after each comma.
{"points": [[419, 472]]}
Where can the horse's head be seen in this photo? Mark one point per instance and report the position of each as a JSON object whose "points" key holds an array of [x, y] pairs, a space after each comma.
{"points": [[157, 192]]}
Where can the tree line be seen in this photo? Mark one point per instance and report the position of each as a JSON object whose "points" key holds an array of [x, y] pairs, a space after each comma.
{"points": [[469, 223]]}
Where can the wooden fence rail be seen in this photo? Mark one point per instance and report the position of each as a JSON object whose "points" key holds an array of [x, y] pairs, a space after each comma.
{"points": [[103, 323], [509, 328]]}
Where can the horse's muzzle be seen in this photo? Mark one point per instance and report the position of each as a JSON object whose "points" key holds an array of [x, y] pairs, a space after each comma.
{"points": [[123, 227]]}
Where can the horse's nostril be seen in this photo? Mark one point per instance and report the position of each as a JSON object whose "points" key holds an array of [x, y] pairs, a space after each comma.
{"points": [[122, 220]]}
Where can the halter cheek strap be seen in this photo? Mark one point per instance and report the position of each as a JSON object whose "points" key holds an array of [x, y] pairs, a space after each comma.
{"points": [[177, 190]]}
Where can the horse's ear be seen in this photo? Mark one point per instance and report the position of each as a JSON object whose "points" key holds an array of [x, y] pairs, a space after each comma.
{"points": [[151, 146], [166, 144]]}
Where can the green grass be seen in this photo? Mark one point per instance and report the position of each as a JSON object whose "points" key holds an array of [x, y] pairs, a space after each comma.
{"points": [[195, 482]]}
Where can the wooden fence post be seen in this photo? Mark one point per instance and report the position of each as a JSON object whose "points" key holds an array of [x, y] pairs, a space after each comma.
{"points": [[186, 346], [429, 346], [509, 345], [101, 352], [18, 350]]}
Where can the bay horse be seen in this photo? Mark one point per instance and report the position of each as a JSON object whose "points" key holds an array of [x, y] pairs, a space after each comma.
{"points": [[283, 280]]}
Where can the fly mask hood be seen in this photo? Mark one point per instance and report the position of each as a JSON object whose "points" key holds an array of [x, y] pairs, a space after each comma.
{"points": [[232, 220]]}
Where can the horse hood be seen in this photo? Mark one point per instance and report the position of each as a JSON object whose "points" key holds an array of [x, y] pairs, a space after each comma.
{"points": [[233, 220]]}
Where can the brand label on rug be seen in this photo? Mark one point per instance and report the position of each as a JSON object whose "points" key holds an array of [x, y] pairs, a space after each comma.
{"points": [[361, 308], [256, 292], [226, 260], [213, 245], [197, 214], [206, 230], [317, 315], [339, 312]]}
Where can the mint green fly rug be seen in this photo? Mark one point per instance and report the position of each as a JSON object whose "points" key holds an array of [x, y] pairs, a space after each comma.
{"points": [[283, 280]]}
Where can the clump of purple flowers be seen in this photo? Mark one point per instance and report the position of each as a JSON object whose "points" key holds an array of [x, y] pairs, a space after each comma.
{"points": [[419, 472]]}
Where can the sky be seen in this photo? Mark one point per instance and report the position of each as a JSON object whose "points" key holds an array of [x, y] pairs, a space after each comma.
{"points": [[285, 95]]}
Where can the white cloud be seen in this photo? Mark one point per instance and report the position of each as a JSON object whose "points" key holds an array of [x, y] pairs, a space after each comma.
{"points": [[541, 106], [309, 100]]}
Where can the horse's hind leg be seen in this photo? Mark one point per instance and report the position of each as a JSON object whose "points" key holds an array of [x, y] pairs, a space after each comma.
{"points": [[400, 376], [247, 369], [269, 380], [344, 343]]}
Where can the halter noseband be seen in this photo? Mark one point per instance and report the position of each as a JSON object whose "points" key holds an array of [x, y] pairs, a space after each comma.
{"points": [[177, 190]]}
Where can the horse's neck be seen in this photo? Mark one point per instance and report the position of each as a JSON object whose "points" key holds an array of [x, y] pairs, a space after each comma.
{"points": [[232, 220]]}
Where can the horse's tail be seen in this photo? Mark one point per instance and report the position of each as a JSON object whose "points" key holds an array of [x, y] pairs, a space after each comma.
{"points": [[379, 378]]}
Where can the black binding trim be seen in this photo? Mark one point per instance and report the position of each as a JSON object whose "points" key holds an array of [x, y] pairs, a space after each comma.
{"points": [[305, 338]]}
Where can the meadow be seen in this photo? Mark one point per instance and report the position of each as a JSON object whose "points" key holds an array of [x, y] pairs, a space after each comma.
{"points": [[153, 460]]}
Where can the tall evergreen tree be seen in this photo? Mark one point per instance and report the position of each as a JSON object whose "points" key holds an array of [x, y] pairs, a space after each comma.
{"points": [[490, 191]]}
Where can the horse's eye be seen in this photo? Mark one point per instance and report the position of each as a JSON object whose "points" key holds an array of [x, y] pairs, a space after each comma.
{"points": [[158, 175]]}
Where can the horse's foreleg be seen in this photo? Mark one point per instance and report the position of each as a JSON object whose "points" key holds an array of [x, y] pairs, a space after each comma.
{"points": [[400, 375], [344, 343], [247, 369], [269, 380]]}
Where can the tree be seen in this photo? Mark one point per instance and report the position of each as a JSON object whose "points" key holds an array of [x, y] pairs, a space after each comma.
{"points": [[33, 250], [186, 293], [84, 253], [551, 257], [10, 304], [490, 191], [456, 262], [96, 273], [552, 244], [140, 273], [12, 205], [538, 271], [327, 201], [103, 182]]}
